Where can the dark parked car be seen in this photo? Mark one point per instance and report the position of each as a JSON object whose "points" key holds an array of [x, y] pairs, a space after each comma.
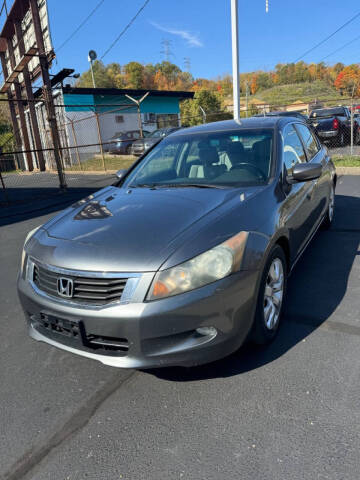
{"points": [[143, 144], [121, 142], [334, 125], [188, 253]]}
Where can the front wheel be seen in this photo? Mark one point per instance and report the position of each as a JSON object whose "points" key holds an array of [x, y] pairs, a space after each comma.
{"points": [[271, 297]]}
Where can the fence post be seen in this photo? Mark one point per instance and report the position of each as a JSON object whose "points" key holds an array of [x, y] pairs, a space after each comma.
{"points": [[352, 128], [76, 144], [100, 140], [3, 186]]}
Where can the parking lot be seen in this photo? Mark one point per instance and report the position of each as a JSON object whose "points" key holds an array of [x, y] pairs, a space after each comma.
{"points": [[287, 411]]}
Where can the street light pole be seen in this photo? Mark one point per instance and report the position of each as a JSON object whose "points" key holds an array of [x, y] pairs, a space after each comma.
{"points": [[235, 58], [91, 57]]}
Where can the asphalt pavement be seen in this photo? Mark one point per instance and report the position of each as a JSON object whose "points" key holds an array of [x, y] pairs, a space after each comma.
{"points": [[290, 410]]}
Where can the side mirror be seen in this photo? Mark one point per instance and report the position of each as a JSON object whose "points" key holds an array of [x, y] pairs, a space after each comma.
{"points": [[121, 173], [303, 172]]}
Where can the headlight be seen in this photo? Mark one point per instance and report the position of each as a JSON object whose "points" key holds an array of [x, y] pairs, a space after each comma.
{"points": [[23, 255], [216, 263]]}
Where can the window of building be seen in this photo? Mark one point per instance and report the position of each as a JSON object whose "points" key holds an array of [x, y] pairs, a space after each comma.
{"points": [[119, 118], [149, 117], [167, 120]]}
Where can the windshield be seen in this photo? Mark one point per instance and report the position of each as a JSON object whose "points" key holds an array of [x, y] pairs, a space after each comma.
{"points": [[231, 158], [327, 112]]}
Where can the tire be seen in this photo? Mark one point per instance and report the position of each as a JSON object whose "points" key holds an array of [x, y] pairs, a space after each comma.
{"points": [[128, 150], [326, 224], [357, 137], [341, 142], [264, 331]]}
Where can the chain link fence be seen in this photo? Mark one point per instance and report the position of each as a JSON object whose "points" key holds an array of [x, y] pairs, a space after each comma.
{"points": [[92, 152]]}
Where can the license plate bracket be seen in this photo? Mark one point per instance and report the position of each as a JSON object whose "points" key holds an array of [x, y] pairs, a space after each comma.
{"points": [[62, 327]]}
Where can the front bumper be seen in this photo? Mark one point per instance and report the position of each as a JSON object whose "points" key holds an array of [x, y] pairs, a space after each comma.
{"points": [[158, 333]]}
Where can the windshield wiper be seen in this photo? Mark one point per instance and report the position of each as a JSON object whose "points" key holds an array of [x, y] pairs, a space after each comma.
{"points": [[143, 185], [176, 185]]}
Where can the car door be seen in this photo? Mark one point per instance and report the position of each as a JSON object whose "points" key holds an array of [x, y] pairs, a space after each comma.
{"points": [[316, 154], [297, 207]]}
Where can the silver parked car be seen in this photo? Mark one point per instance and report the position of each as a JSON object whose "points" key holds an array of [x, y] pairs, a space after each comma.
{"points": [[142, 144], [188, 253]]}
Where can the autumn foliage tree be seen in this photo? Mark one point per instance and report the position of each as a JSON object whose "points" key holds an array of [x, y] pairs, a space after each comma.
{"points": [[348, 80]]}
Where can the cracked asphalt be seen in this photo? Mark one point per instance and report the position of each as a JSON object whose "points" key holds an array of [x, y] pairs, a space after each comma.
{"points": [[291, 410]]}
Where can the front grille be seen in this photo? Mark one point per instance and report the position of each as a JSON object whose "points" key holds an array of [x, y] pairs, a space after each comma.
{"points": [[87, 290]]}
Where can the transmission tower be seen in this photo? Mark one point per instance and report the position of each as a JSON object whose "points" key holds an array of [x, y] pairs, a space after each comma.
{"points": [[187, 64], [166, 49]]}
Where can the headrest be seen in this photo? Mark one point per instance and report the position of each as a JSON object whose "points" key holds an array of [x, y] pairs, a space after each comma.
{"points": [[208, 155]]}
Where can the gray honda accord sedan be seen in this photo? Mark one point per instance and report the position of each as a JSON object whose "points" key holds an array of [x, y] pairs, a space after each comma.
{"points": [[187, 255]]}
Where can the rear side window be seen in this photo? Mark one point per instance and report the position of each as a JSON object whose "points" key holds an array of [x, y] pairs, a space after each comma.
{"points": [[311, 145], [293, 151]]}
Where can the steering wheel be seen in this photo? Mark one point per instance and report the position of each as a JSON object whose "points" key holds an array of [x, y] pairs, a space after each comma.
{"points": [[253, 167]]}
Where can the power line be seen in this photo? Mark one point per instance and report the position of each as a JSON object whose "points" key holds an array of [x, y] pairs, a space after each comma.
{"points": [[80, 26], [328, 37], [126, 28], [340, 48]]}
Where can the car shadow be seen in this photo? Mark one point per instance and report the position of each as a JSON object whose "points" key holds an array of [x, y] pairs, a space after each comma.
{"points": [[316, 287], [24, 203]]}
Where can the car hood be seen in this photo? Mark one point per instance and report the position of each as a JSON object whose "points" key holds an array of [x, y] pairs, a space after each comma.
{"points": [[131, 230]]}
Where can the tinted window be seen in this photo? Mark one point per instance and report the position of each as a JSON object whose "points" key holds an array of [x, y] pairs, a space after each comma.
{"points": [[293, 151], [327, 112], [310, 143]]}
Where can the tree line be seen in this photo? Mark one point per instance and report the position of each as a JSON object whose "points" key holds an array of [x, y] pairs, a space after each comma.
{"points": [[168, 76]]}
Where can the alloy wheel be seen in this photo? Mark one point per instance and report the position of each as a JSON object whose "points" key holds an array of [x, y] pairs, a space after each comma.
{"points": [[273, 294]]}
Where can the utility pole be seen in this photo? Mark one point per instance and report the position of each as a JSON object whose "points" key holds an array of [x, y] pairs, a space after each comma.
{"points": [[138, 102], [247, 96], [352, 121], [47, 91], [235, 58]]}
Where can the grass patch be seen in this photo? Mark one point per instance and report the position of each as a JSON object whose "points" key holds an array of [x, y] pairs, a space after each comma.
{"points": [[112, 162], [346, 161], [306, 92], [10, 172]]}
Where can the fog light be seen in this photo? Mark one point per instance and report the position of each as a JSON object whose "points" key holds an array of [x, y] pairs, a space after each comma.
{"points": [[206, 331]]}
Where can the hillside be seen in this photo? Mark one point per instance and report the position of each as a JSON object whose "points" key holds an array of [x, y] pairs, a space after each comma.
{"points": [[306, 92]]}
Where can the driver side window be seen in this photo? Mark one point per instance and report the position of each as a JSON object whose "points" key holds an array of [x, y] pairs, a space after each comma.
{"points": [[293, 151]]}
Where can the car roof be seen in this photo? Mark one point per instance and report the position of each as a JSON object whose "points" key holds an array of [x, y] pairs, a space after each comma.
{"points": [[244, 123]]}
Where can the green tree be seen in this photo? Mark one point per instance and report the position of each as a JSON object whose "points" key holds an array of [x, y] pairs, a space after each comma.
{"points": [[134, 74], [210, 102], [102, 79]]}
